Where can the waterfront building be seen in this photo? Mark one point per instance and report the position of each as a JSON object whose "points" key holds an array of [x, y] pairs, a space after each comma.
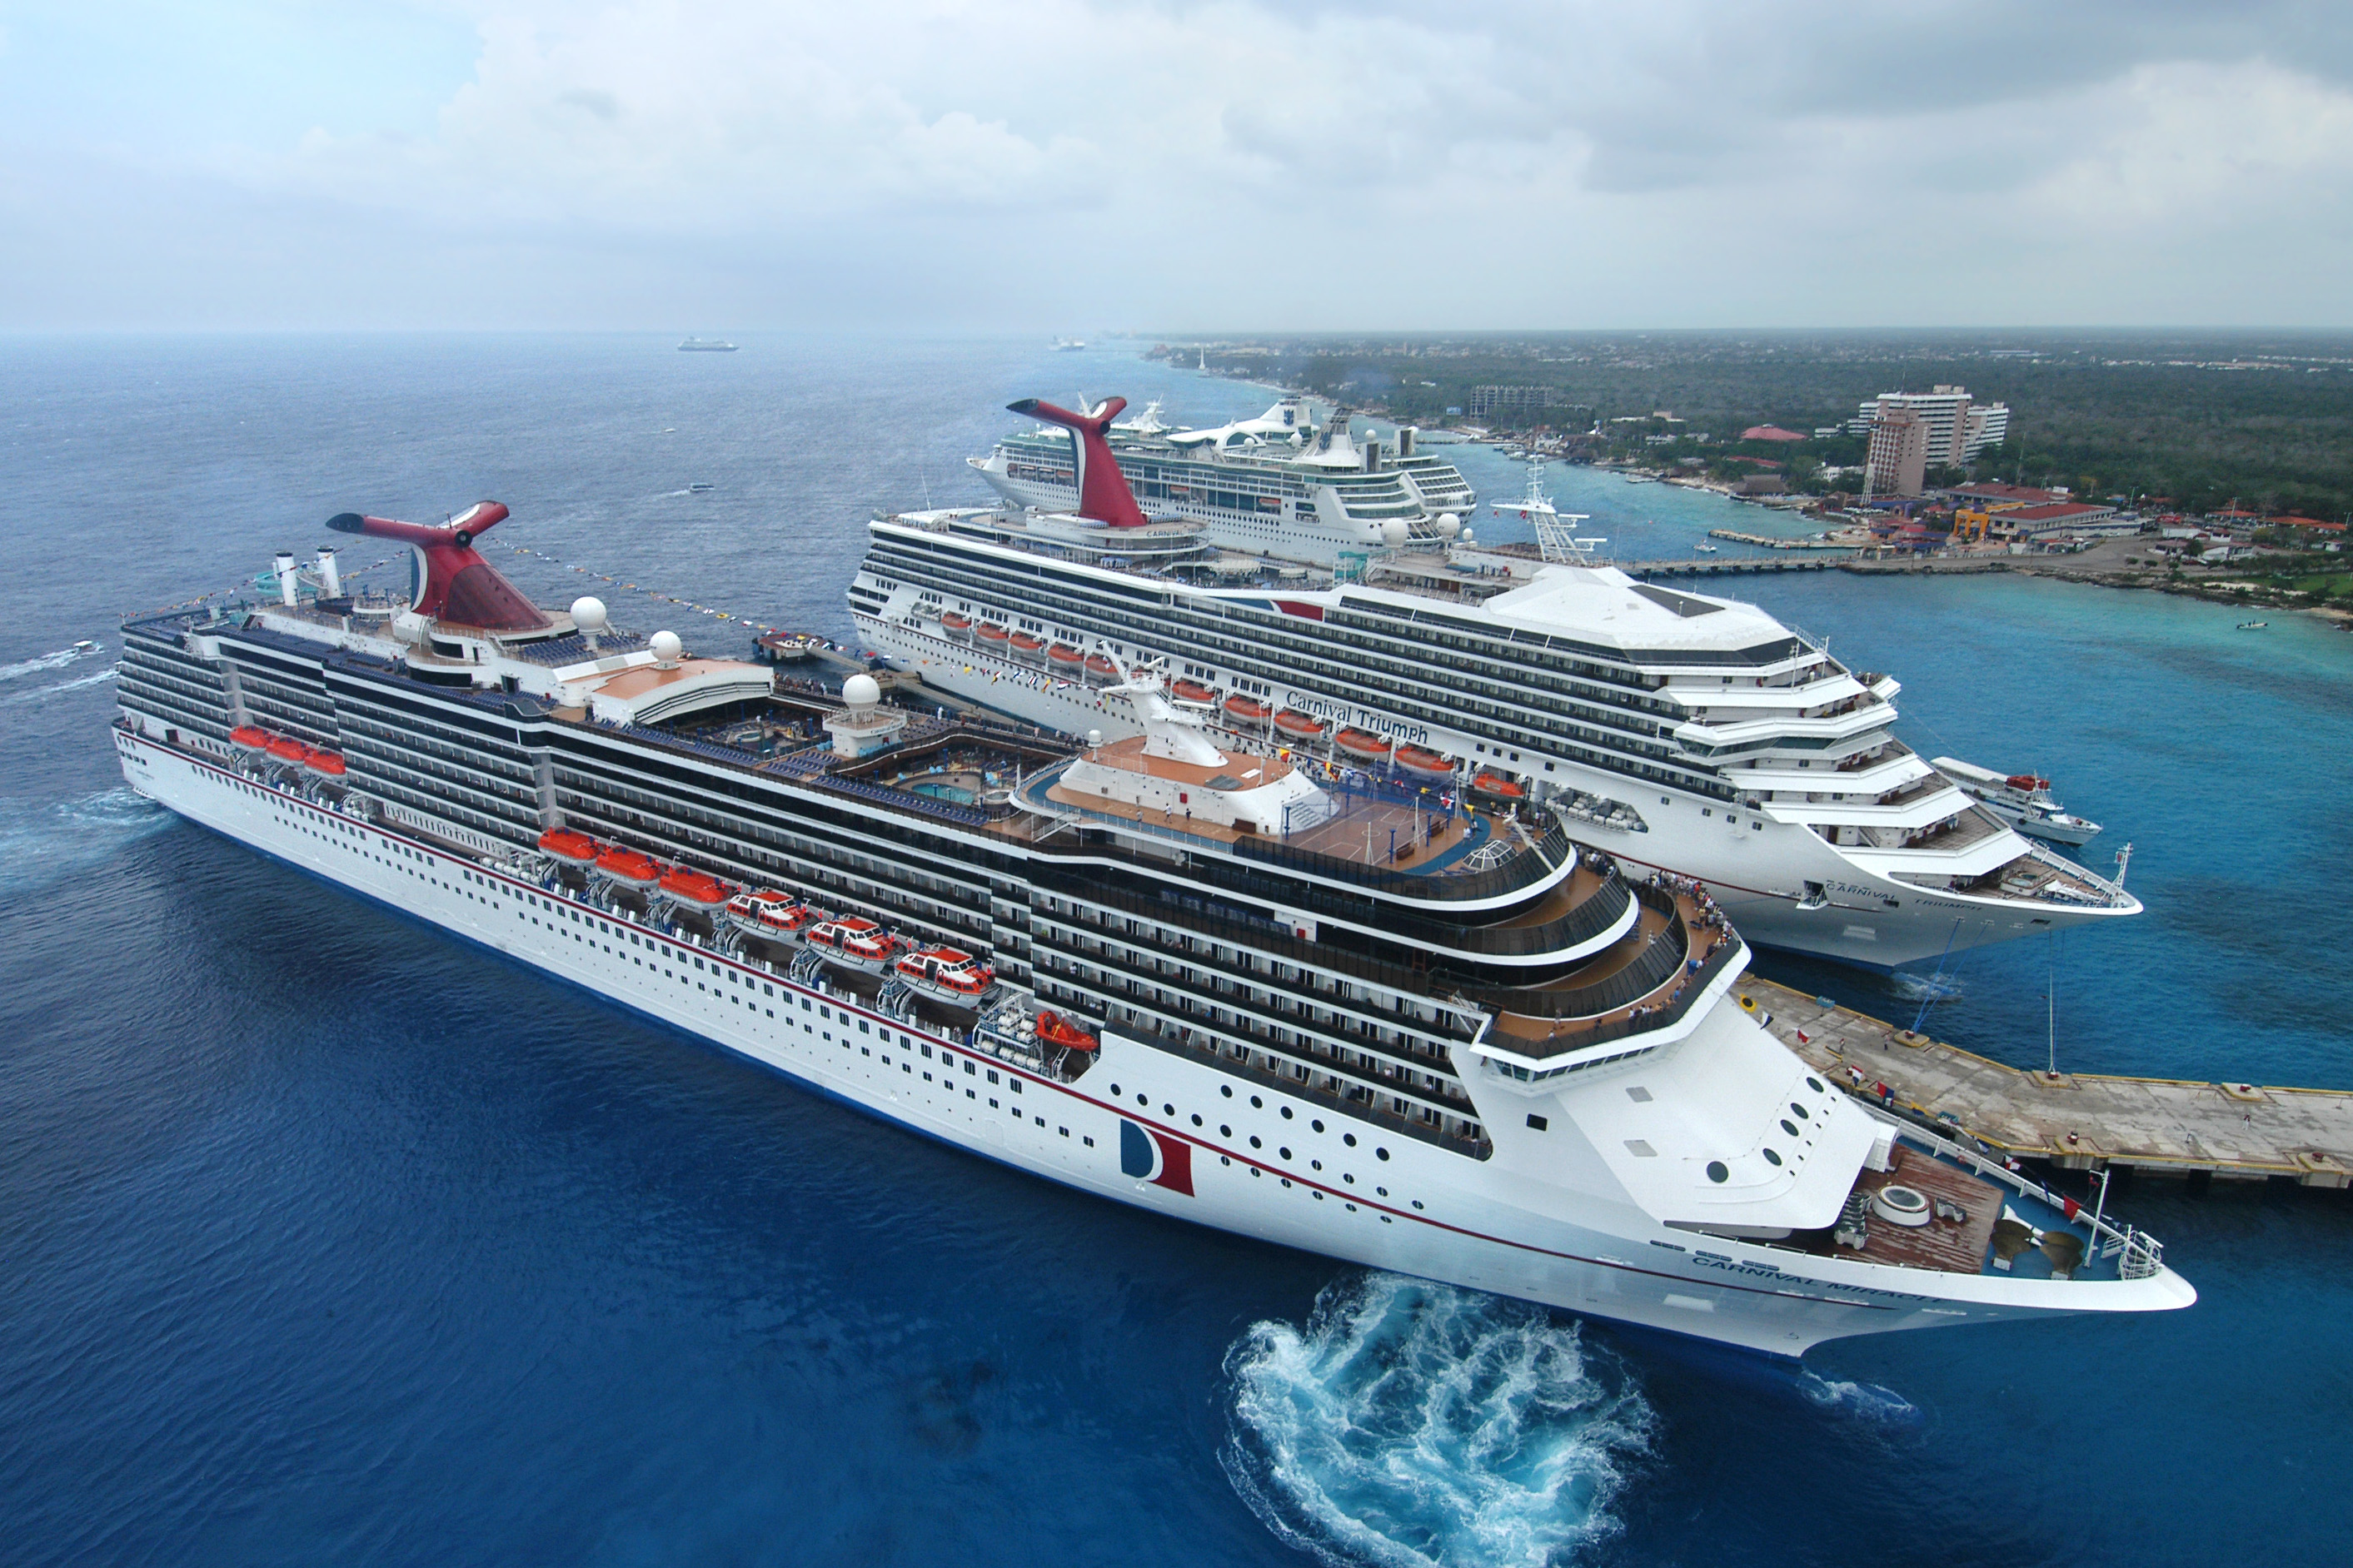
{"points": [[1956, 429], [1896, 463]]}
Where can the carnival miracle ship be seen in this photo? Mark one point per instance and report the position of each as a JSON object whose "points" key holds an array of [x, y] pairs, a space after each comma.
{"points": [[1693, 735], [1171, 969]]}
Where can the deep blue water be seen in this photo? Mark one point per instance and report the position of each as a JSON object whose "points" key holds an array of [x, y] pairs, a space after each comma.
{"points": [[328, 1239]]}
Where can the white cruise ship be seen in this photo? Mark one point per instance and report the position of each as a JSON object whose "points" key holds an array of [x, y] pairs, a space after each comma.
{"points": [[1276, 484], [1686, 732], [1177, 971]]}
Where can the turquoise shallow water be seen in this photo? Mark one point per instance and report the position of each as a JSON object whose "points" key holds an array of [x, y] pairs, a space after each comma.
{"points": [[330, 1240]]}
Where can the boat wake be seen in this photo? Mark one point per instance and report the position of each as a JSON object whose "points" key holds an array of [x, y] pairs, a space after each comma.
{"points": [[1416, 1425], [49, 661], [40, 693], [43, 844], [1882, 1408], [1912, 987]]}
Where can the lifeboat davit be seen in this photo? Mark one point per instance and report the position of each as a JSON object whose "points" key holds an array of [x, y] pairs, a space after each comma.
{"points": [[564, 844], [945, 973], [1247, 709], [1192, 691], [1500, 786], [695, 889], [1063, 655], [1055, 1030], [1032, 648], [1363, 744], [249, 738], [853, 942], [957, 627], [287, 749], [1101, 670], [992, 635], [319, 760], [1306, 726], [629, 867], [1421, 760]]}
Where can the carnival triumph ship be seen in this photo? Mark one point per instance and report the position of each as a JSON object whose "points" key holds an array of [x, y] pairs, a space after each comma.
{"points": [[1278, 484], [1680, 732], [1173, 970]]}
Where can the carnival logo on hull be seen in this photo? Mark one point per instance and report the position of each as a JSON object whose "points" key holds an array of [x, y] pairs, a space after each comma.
{"points": [[1155, 1157]]}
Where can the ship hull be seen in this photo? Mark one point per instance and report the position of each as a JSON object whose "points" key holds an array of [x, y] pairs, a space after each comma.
{"points": [[1422, 1210]]}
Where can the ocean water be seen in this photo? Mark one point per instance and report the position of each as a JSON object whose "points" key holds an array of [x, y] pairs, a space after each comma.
{"points": [[329, 1239]]}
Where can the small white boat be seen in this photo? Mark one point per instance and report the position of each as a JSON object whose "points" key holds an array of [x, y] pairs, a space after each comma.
{"points": [[2022, 800], [1704, 549]]}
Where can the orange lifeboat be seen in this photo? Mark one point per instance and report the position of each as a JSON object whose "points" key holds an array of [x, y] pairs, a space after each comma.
{"points": [[629, 867], [1101, 670], [955, 626], [287, 749], [1306, 726], [321, 761], [945, 973], [1247, 709], [1421, 760], [1063, 655], [1032, 648], [1055, 1030], [2027, 782], [1192, 691], [695, 889], [564, 844], [1500, 786], [249, 738], [1363, 744], [992, 635], [853, 942]]}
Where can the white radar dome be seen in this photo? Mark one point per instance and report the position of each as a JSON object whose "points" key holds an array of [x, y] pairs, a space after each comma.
{"points": [[861, 691], [1094, 738], [665, 647], [1394, 532], [1448, 525], [588, 615]]}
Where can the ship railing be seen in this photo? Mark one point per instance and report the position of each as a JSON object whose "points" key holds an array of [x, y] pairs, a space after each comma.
{"points": [[2138, 1254], [2113, 892]]}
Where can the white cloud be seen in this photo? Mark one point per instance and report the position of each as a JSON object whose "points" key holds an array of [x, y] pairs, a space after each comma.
{"points": [[1234, 161]]}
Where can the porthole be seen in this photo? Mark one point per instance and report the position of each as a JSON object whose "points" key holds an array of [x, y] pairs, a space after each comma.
{"points": [[1114, 1088], [1382, 1191], [1349, 1138], [1314, 1165], [1318, 1126], [1285, 1152], [1718, 1172], [1224, 1131], [1167, 1111], [1257, 1104], [1144, 1099], [1790, 1127], [1196, 1120], [1255, 1143], [1815, 1084], [1227, 1089], [1381, 1153], [1803, 1114], [1771, 1158], [1286, 1114]]}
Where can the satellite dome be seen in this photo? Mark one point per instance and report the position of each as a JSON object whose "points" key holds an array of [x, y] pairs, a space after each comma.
{"points": [[588, 613], [1448, 525], [665, 647], [861, 691], [1467, 538], [1394, 532]]}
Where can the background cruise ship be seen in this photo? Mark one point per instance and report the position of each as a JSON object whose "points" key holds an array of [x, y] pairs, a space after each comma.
{"points": [[1278, 483], [1687, 732], [1176, 970]]}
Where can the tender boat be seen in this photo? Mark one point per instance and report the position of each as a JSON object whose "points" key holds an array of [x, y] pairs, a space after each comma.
{"points": [[947, 974], [2022, 800], [853, 942]]}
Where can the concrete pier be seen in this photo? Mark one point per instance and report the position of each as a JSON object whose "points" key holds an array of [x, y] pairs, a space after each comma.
{"points": [[2082, 1122]]}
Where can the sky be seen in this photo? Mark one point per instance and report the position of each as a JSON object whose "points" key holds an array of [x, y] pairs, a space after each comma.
{"points": [[1163, 167]]}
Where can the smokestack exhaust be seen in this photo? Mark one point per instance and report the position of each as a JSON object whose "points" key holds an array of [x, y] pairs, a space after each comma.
{"points": [[288, 583], [331, 582]]}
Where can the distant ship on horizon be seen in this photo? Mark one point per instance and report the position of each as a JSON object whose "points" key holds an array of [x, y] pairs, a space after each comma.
{"points": [[706, 346]]}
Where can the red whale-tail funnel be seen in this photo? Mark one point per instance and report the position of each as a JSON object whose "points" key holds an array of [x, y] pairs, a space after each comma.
{"points": [[450, 581], [1103, 494]]}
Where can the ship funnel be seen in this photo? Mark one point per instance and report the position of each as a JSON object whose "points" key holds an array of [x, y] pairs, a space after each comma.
{"points": [[331, 582], [1103, 495], [1406, 434], [1371, 456], [287, 583]]}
